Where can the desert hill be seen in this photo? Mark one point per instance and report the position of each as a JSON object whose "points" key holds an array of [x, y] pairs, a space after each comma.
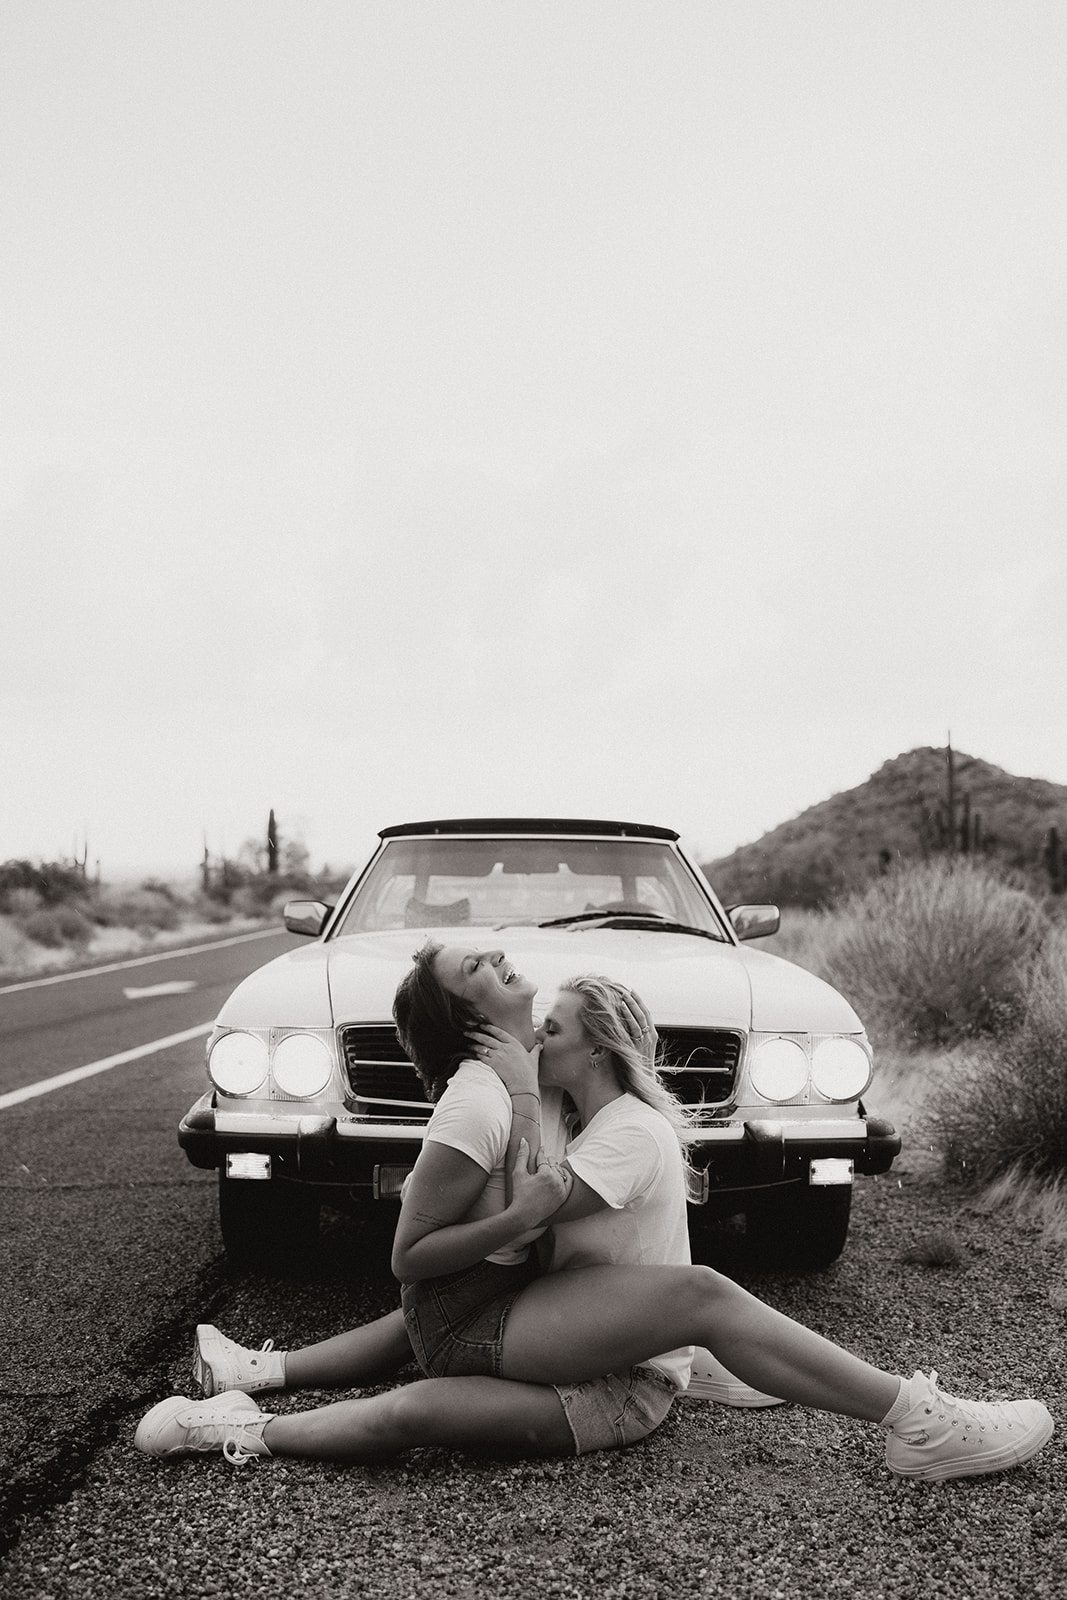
{"points": [[901, 813]]}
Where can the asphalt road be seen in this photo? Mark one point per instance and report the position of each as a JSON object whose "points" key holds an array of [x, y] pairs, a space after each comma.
{"points": [[107, 1234], [52, 1024], [110, 1253]]}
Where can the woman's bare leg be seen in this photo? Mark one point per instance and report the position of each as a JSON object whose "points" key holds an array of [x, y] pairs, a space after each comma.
{"points": [[375, 1350], [568, 1327], [460, 1413]]}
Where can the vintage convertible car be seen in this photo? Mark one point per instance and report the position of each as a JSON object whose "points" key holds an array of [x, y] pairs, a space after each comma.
{"points": [[312, 1100]]}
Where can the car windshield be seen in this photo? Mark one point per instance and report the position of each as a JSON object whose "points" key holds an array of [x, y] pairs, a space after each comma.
{"points": [[485, 883]]}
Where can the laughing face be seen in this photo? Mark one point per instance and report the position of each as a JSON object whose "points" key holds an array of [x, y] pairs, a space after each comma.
{"points": [[487, 981]]}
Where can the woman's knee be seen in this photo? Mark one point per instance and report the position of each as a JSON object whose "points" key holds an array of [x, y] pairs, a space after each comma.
{"points": [[398, 1417], [706, 1290]]}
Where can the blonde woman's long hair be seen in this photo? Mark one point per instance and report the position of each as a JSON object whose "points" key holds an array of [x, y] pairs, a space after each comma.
{"points": [[602, 1013]]}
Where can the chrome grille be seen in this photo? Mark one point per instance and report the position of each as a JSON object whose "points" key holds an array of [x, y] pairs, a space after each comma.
{"points": [[380, 1073], [700, 1065]]}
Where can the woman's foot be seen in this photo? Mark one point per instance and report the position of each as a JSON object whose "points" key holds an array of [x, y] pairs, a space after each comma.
{"points": [[942, 1437], [231, 1423], [220, 1364]]}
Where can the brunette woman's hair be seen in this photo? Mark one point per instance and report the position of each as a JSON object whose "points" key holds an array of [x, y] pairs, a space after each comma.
{"points": [[605, 1017], [431, 1023]]}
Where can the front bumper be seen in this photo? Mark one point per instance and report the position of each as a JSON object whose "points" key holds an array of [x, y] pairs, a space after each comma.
{"points": [[328, 1147], [320, 1147], [762, 1152]]}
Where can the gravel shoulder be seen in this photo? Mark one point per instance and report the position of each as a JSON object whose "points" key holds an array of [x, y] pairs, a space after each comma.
{"points": [[766, 1504]]}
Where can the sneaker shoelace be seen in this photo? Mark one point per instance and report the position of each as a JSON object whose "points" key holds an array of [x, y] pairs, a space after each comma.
{"points": [[949, 1409], [237, 1431], [233, 1445]]}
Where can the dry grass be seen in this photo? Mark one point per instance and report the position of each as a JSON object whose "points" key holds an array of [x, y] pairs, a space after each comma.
{"points": [[935, 953], [150, 907], [1032, 1203], [803, 938], [16, 950], [1006, 1109], [907, 1089], [990, 1110], [940, 1250], [905, 1082], [929, 955]]}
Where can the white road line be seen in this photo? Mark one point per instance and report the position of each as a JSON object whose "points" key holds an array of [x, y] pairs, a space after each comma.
{"points": [[46, 1085], [141, 961], [178, 986]]}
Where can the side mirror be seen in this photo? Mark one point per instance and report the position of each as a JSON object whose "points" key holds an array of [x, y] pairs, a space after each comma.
{"points": [[306, 916], [754, 922]]}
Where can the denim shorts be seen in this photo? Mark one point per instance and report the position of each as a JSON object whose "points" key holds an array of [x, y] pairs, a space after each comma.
{"points": [[610, 1413], [456, 1327], [456, 1323]]}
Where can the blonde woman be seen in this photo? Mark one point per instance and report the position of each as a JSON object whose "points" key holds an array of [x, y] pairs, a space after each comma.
{"points": [[516, 1359]]}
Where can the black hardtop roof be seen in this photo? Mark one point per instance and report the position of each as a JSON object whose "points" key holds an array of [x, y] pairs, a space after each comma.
{"points": [[532, 825]]}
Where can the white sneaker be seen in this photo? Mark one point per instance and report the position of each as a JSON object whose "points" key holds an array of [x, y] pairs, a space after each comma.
{"points": [[711, 1381], [220, 1364], [942, 1437], [232, 1423]]}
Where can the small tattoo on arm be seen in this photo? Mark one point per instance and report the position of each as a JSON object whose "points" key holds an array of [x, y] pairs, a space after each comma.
{"points": [[429, 1219]]}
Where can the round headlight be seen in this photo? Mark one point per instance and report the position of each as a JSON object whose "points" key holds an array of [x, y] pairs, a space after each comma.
{"points": [[238, 1063], [301, 1065], [779, 1069], [840, 1069]]}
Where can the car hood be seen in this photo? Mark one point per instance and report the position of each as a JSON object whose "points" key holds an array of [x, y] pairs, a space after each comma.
{"points": [[683, 979]]}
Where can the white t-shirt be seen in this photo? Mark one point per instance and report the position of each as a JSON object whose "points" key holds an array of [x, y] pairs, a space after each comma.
{"points": [[473, 1116], [629, 1156]]}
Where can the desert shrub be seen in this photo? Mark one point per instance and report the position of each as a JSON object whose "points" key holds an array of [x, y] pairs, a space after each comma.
{"points": [[232, 880], [939, 1250], [264, 896], [248, 902], [55, 926], [165, 891], [21, 903], [205, 908], [52, 882], [1006, 1109], [152, 908], [250, 894], [935, 953], [807, 875], [14, 945]]}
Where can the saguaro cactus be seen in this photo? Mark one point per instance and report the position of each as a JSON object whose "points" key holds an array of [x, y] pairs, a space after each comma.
{"points": [[272, 844]]}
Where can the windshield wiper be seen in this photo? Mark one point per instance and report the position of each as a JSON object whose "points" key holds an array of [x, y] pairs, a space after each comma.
{"points": [[653, 920], [580, 916], [659, 924]]}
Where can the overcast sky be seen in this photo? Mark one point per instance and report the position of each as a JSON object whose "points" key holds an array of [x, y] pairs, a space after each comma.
{"points": [[470, 407]]}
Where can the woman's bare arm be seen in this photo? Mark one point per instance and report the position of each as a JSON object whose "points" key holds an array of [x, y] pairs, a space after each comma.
{"points": [[432, 1239], [516, 1068]]}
